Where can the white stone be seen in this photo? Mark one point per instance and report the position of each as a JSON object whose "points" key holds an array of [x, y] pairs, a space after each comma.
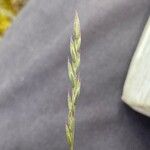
{"points": [[136, 91]]}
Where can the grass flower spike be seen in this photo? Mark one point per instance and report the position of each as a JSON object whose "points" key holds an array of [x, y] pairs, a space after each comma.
{"points": [[73, 72]]}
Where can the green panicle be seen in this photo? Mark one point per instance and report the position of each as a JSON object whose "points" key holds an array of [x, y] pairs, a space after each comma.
{"points": [[73, 73]]}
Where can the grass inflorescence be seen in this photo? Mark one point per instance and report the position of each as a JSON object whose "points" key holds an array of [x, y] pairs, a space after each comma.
{"points": [[73, 72]]}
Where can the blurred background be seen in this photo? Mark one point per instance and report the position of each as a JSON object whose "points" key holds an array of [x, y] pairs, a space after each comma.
{"points": [[8, 10]]}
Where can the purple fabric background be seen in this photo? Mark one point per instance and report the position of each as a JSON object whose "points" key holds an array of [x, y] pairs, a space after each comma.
{"points": [[34, 81]]}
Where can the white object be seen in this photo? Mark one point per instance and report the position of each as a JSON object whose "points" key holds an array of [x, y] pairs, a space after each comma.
{"points": [[136, 91]]}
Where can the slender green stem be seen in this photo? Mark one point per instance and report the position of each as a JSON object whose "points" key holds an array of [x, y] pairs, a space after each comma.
{"points": [[73, 72]]}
